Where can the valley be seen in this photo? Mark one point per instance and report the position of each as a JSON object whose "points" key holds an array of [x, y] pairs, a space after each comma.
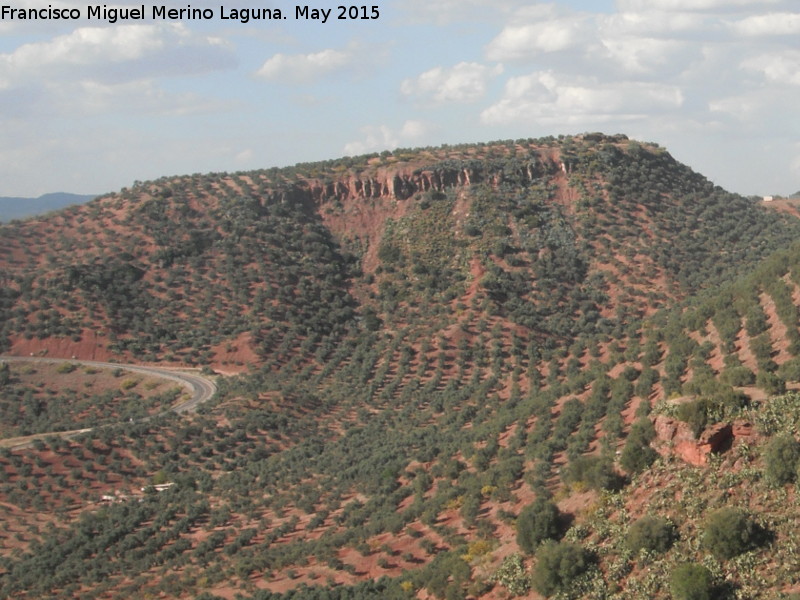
{"points": [[440, 373]]}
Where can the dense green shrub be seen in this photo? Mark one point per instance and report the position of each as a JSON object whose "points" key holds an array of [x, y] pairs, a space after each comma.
{"points": [[771, 383], [636, 458], [644, 386], [695, 414], [781, 457], [637, 455], [536, 523], [738, 376], [558, 564], [790, 370], [66, 367], [729, 532], [655, 534], [691, 582], [593, 471]]}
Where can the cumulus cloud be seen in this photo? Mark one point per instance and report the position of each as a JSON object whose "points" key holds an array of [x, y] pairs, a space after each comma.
{"points": [[545, 97], [521, 41], [659, 69], [354, 59], [772, 24], [465, 82], [304, 68], [383, 137], [654, 23], [540, 29], [449, 11], [777, 67], [116, 54], [93, 70], [646, 55], [689, 5]]}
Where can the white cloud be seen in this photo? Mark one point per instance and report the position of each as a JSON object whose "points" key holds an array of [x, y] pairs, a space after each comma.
{"points": [[244, 157], [544, 97], [540, 29], [651, 61], [353, 59], [643, 54], [465, 82], [115, 54], [688, 5], [95, 70], [305, 68], [521, 41], [449, 11], [742, 106], [777, 67], [652, 23], [413, 130], [382, 137], [771, 24]]}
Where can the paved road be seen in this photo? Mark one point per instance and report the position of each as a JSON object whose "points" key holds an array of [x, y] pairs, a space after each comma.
{"points": [[200, 388]]}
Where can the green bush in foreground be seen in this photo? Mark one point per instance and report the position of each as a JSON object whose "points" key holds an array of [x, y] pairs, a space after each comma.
{"points": [[536, 523], [781, 456], [637, 455], [558, 564], [691, 582], [655, 534], [593, 471], [730, 532]]}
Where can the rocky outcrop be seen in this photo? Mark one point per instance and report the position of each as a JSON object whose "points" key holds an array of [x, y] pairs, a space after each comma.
{"points": [[672, 430], [402, 183], [743, 430], [676, 438], [715, 439]]}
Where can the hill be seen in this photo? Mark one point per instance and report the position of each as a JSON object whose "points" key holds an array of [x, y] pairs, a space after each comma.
{"points": [[20, 208], [432, 345], [554, 235]]}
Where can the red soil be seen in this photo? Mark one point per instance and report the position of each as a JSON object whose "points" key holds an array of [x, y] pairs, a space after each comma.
{"points": [[91, 346], [777, 329]]}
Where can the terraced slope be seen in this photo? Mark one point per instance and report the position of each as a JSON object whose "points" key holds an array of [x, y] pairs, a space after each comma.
{"points": [[437, 338]]}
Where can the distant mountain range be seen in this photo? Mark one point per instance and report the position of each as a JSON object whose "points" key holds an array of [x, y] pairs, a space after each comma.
{"points": [[20, 208]]}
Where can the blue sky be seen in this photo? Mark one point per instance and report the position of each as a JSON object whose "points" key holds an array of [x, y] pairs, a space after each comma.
{"points": [[89, 107]]}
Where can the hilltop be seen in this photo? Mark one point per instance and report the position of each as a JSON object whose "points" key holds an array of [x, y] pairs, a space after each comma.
{"points": [[431, 346], [556, 235]]}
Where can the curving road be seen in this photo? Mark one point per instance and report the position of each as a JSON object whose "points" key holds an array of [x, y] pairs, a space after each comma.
{"points": [[200, 389]]}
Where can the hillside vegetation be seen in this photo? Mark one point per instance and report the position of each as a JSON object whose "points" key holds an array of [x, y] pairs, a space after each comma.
{"points": [[533, 367]]}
